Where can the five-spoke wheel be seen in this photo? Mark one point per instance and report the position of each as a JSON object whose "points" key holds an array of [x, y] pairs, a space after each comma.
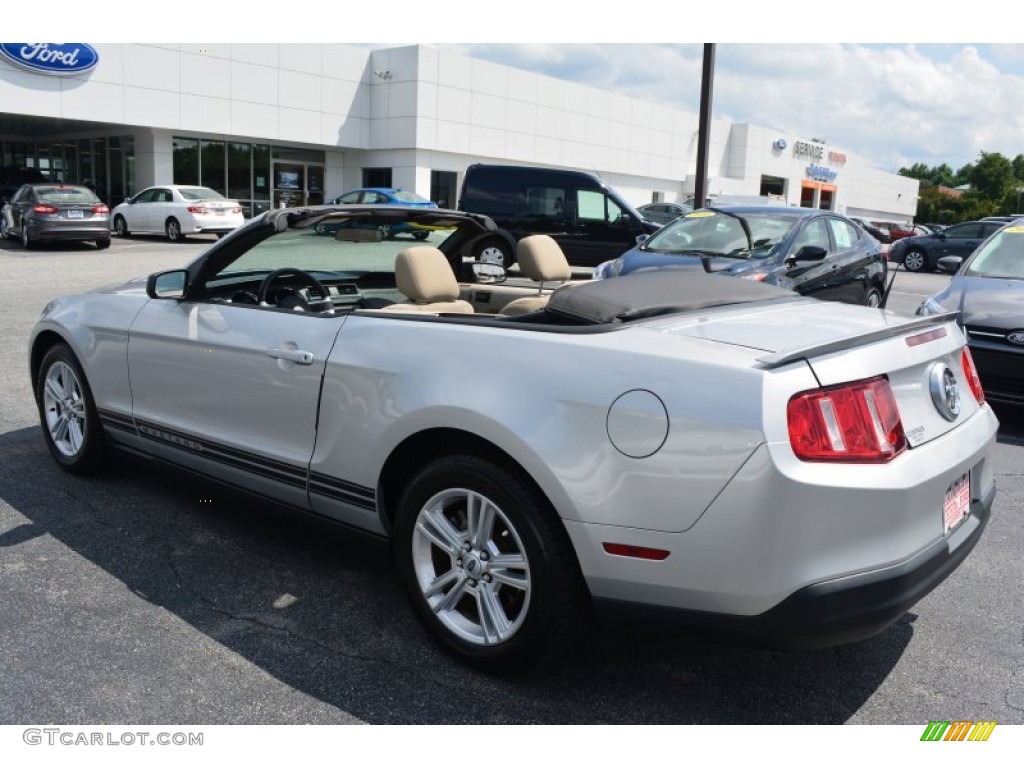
{"points": [[66, 411], [487, 564]]}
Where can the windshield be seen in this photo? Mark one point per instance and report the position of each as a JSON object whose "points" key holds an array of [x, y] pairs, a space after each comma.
{"points": [[334, 247], [717, 233], [1002, 256], [200, 193]]}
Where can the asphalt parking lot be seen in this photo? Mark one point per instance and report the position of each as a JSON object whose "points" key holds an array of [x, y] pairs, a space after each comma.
{"points": [[141, 597]]}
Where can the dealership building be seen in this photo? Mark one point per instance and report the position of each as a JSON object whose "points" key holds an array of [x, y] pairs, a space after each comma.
{"points": [[294, 124]]}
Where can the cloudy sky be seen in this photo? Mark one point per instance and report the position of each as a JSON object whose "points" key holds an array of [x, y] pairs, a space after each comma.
{"points": [[894, 104]]}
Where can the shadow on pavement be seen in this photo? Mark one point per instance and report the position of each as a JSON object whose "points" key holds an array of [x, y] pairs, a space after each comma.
{"points": [[321, 610]]}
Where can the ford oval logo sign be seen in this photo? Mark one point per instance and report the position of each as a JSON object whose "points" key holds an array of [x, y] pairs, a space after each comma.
{"points": [[51, 58], [1016, 337]]}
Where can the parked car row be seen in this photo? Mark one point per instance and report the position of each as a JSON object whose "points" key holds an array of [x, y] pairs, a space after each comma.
{"points": [[814, 252]]}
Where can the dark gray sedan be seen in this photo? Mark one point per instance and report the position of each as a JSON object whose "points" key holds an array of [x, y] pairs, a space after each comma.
{"points": [[921, 253], [988, 291], [52, 211]]}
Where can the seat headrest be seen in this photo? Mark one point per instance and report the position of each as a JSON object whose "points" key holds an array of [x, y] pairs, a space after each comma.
{"points": [[424, 275], [540, 258]]}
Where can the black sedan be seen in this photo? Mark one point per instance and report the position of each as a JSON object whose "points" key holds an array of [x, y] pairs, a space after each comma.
{"points": [[922, 253], [814, 252], [52, 211], [988, 292]]}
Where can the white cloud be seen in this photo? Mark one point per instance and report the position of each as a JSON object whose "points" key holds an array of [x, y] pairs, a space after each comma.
{"points": [[892, 104]]}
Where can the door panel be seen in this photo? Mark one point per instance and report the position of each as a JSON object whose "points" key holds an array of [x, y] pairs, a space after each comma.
{"points": [[231, 390]]}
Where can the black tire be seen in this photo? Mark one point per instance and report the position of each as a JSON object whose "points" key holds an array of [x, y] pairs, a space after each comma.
{"points": [[103, 243], [915, 260], [495, 252], [421, 234], [873, 298], [121, 227], [172, 228], [67, 413], [497, 618], [26, 241]]}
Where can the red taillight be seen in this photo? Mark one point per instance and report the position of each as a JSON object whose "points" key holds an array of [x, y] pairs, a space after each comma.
{"points": [[44, 209], [100, 209], [857, 422], [973, 381], [237, 209], [197, 209]]}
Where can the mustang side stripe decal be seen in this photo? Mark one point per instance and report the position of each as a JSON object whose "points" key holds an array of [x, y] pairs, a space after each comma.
{"points": [[324, 485], [341, 490]]}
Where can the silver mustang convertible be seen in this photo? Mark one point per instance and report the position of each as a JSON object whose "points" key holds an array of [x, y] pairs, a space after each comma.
{"points": [[717, 451]]}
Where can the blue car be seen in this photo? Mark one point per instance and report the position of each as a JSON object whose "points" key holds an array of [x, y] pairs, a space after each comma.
{"points": [[813, 252], [383, 196]]}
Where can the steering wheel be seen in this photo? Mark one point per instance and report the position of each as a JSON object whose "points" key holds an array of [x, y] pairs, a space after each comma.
{"points": [[297, 302]]}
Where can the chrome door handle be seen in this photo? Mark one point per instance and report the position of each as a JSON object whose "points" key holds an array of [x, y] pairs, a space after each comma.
{"points": [[300, 356]]}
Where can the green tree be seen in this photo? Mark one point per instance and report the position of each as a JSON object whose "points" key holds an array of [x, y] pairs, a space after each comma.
{"points": [[1018, 168], [992, 178], [963, 176]]}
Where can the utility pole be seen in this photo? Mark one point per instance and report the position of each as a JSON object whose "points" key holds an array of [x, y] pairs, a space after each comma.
{"points": [[704, 127]]}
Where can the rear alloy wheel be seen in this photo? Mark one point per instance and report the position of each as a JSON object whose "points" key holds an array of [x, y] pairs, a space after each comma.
{"points": [[173, 230], [121, 226], [914, 260], [873, 298], [487, 565], [67, 413], [26, 241]]}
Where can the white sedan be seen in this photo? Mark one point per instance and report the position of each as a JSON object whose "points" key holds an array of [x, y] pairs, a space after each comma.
{"points": [[177, 211]]}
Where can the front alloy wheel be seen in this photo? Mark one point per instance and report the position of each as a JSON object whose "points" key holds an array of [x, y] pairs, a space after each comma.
{"points": [[487, 564], [67, 414], [914, 260]]}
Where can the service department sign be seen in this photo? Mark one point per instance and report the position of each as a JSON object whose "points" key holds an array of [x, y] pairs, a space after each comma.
{"points": [[51, 58]]}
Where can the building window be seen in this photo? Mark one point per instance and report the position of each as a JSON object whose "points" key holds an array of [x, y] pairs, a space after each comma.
{"points": [[212, 165], [442, 188], [186, 161], [376, 177]]}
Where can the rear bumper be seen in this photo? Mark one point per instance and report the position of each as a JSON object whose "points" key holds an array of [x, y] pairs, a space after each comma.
{"points": [[831, 612], [84, 231]]}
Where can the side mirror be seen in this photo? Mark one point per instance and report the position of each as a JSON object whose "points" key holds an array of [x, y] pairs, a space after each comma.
{"points": [[642, 238], [950, 264], [485, 272], [167, 285], [808, 253], [129, 201]]}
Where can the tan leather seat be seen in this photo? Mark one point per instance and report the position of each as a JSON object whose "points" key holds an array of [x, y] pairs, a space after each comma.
{"points": [[424, 275], [541, 259]]}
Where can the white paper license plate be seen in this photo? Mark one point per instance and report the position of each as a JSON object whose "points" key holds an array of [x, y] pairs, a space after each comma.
{"points": [[75, 214], [221, 213], [957, 503]]}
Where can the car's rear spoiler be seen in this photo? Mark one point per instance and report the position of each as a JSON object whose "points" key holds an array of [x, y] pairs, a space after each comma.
{"points": [[784, 356]]}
